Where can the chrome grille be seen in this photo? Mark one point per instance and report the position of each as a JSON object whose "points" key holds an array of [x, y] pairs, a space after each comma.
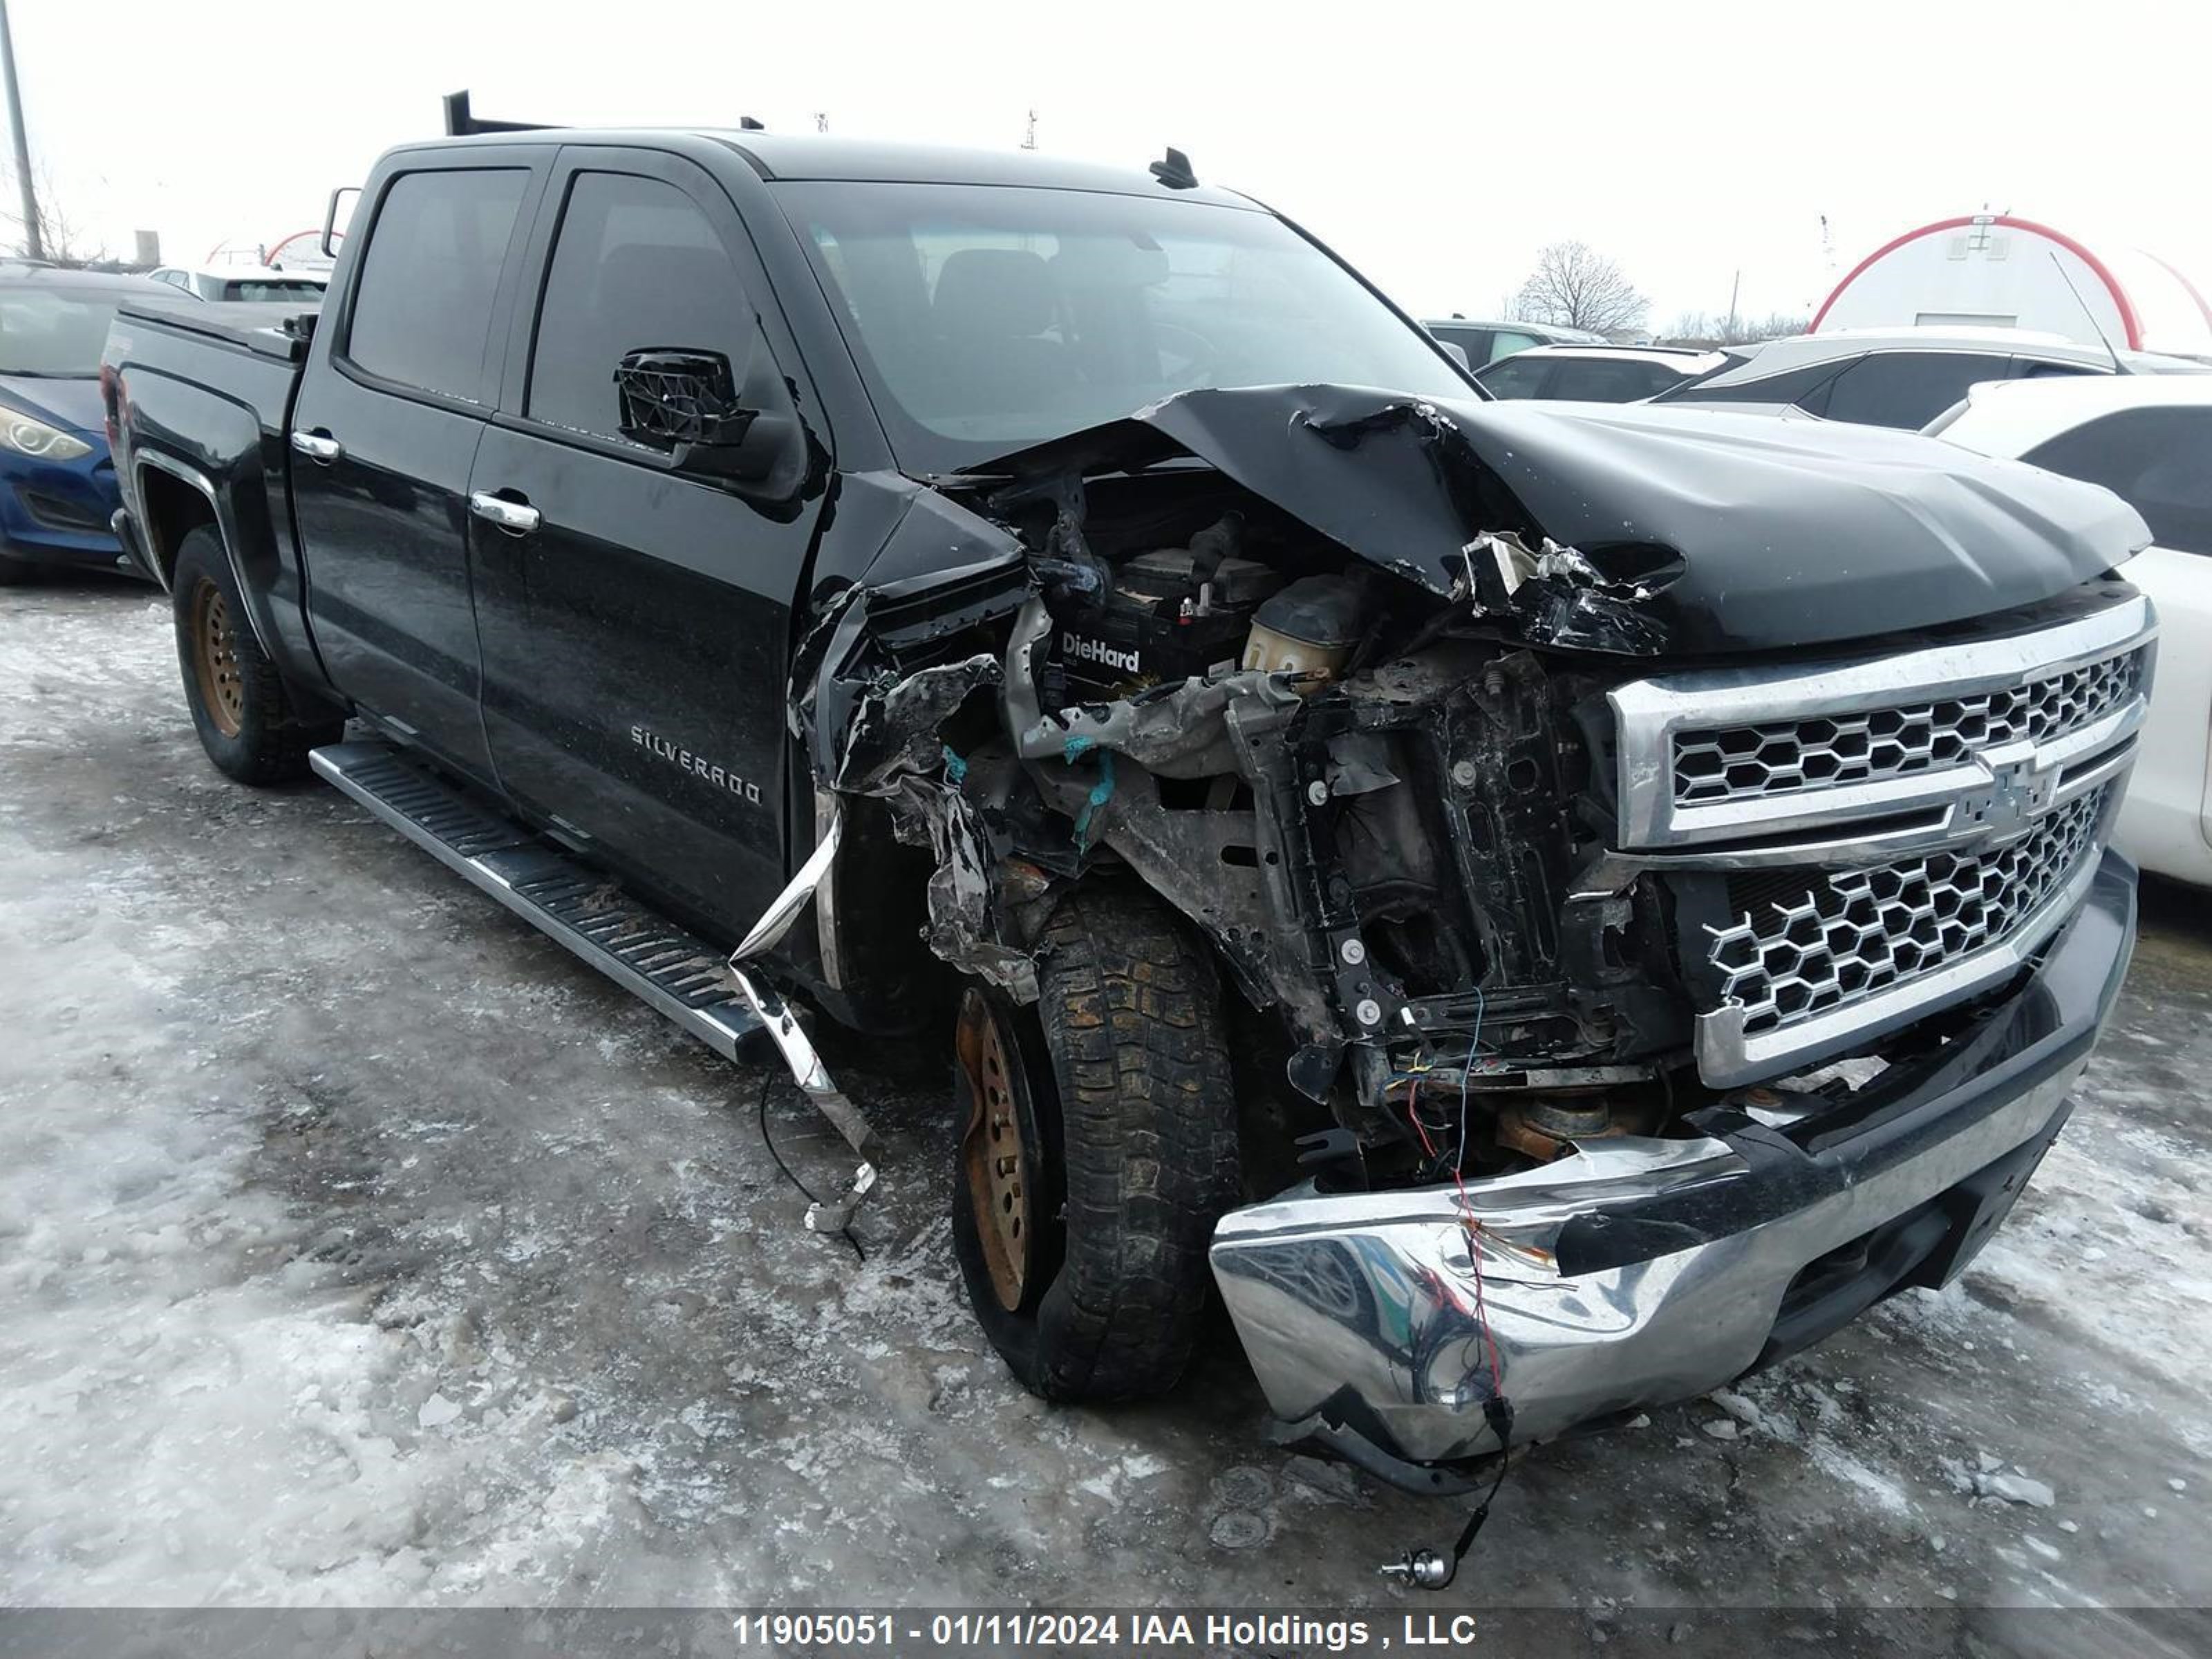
{"points": [[1803, 943], [1868, 745]]}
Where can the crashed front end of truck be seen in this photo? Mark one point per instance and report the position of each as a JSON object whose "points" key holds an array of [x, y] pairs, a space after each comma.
{"points": [[1673, 853]]}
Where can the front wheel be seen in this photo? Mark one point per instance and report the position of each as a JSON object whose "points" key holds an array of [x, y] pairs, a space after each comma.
{"points": [[247, 722], [1098, 1148]]}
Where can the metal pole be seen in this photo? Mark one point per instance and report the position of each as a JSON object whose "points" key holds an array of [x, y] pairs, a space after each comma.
{"points": [[33, 245]]}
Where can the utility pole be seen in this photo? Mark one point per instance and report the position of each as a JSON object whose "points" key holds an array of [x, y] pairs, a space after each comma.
{"points": [[1029, 138], [33, 245], [1734, 289]]}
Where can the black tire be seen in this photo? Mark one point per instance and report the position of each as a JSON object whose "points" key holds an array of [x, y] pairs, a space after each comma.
{"points": [[1128, 1115], [248, 723]]}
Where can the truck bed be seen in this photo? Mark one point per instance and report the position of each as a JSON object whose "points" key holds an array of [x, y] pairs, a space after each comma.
{"points": [[278, 329]]}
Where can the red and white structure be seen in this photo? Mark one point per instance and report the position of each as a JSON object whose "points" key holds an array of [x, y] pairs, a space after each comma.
{"points": [[1992, 270]]}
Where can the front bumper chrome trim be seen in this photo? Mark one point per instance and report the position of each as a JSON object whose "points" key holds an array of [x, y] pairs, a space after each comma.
{"points": [[1360, 1309]]}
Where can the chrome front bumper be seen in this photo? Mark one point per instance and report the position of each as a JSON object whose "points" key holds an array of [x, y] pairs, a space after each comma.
{"points": [[1634, 1273]]}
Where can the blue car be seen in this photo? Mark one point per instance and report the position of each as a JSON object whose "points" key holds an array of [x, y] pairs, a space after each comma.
{"points": [[58, 490]]}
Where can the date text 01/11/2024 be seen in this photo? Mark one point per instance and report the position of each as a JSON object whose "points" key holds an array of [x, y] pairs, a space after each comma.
{"points": [[1021, 1631]]}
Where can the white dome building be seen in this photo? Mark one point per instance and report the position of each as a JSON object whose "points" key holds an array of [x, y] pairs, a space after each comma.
{"points": [[1992, 270]]}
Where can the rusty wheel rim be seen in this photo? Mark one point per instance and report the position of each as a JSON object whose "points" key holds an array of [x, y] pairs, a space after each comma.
{"points": [[993, 1150], [215, 660]]}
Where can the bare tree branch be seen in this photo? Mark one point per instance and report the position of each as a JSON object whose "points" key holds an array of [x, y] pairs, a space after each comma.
{"points": [[63, 241], [1574, 286], [1700, 329]]}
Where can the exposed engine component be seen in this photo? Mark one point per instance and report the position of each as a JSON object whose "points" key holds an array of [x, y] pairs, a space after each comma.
{"points": [[1166, 616], [1309, 628]]}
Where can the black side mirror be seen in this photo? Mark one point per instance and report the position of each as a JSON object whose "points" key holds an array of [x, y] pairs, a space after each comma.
{"points": [[685, 403]]}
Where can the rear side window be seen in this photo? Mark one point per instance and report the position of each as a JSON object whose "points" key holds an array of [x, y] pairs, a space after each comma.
{"points": [[1806, 387], [1605, 380], [637, 266], [2158, 461], [1475, 342], [1517, 377], [423, 311], [272, 290], [1505, 343], [1908, 389]]}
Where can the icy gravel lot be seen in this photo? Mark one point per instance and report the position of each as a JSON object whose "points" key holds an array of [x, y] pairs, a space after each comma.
{"points": [[357, 1247]]}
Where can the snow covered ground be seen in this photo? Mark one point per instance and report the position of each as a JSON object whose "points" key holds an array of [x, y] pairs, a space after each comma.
{"points": [[356, 1247]]}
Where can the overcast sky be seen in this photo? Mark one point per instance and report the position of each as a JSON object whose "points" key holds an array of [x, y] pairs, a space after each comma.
{"points": [[1437, 147]]}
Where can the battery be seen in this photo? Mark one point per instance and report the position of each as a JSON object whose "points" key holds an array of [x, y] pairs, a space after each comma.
{"points": [[1159, 624]]}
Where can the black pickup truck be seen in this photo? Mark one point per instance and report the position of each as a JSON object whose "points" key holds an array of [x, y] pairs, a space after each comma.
{"points": [[1546, 908]]}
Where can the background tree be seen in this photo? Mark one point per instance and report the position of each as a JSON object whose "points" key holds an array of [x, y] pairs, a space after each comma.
{"points": [[1575, 286], [62, 241], [1701, 328]]}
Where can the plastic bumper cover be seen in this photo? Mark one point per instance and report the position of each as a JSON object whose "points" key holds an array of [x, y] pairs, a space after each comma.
{"points": [[1634, 1273]]}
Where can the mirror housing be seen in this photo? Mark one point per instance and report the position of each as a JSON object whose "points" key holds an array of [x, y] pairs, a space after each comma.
{"points": [[1456, 352], [330, 231], [685, 403]]}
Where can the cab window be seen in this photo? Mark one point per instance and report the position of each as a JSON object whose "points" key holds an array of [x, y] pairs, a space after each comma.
{"points": [[421, 312], [637, 264]]}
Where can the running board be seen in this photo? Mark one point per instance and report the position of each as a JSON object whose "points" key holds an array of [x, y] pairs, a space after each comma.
{"points": [[660, 964]]}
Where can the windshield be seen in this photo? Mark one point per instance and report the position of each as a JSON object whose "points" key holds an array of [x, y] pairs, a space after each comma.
{"points": [[54, 332], [986, 319]]}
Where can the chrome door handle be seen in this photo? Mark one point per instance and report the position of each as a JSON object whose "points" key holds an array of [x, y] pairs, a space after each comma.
{"points": [[318, 446], [516, 518]]}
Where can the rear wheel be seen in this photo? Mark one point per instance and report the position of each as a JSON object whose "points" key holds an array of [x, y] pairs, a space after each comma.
{"points": [[1098, 1147], [248, 723]]}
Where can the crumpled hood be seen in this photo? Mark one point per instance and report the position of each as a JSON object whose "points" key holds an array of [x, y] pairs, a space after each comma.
{"points": [[1724, 531]]}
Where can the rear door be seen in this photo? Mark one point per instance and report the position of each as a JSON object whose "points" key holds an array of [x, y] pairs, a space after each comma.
{"points": [[385, 430], [635, 616]]}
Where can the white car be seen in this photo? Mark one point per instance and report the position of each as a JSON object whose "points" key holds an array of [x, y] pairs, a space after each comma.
{"points": [[244, 282], [1596, 373], [2148, 440]]}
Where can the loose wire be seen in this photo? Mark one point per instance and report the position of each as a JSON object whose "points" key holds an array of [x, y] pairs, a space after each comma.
{"points": [[768, 1140]]}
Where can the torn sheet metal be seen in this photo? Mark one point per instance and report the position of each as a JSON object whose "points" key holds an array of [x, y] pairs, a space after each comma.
{"points": [[1178, 731], [1779, 534], [1557, 596], [790, 1037], [894, 730], [967, 925], [814, 1081], [877, 732]]}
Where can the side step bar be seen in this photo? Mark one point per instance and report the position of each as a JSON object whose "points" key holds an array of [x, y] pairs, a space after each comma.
{"points": [[674, 971]]}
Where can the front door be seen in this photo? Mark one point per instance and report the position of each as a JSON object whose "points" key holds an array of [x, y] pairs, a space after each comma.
{"points": [[635, 616], [384, 434]]}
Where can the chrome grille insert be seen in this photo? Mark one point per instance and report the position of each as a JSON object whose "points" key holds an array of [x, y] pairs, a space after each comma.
{"points": [[1864, 843], [1765, 755], [1804, 946], [1777, 757]]}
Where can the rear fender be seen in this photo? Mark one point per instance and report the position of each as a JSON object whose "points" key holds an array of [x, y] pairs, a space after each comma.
{"points": [[197, 457]]}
